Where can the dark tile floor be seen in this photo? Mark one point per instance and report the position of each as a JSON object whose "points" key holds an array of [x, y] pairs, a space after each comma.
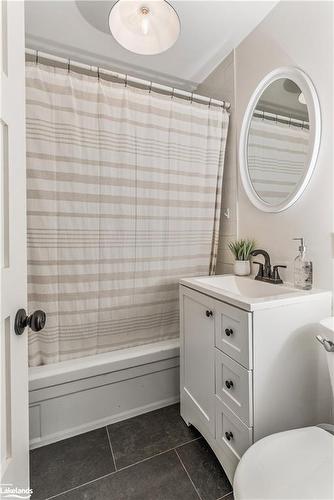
{"points": [[154, 456]]}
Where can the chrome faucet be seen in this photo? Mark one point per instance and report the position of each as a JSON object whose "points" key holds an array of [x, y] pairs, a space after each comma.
{"points": [[266, 272]]}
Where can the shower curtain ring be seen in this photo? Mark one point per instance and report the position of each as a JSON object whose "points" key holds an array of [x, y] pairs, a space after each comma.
{"points": [[98, 73], [150, 88], [210, 102], [126, 81], [192, 98], [172, 95], [68, 65], [36, 57]]}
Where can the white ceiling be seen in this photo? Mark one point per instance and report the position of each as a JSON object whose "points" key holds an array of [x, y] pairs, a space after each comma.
{"points": [[209, 31]]}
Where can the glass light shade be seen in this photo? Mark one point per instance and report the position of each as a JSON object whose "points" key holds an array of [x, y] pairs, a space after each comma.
{"points": [[301, 98], [144, 27]]}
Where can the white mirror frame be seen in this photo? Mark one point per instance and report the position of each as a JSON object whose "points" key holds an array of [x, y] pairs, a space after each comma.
{"points": [[306, 86]]}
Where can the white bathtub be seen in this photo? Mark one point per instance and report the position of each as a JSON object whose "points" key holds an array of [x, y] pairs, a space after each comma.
{"points": [[76, 396]]}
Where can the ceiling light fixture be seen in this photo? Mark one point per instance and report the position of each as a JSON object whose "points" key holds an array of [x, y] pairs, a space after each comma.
{"points": [[144, 27]]}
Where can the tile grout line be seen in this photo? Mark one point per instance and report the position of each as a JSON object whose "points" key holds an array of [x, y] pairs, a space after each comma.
{"points": [[224, 496], [111, 449], [187, 442], [80, 485], [122, 468], [178, 456]]}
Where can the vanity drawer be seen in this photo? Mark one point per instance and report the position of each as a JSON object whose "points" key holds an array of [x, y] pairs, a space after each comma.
{"points": [[234, 386], [232, 435], [234, 333]]}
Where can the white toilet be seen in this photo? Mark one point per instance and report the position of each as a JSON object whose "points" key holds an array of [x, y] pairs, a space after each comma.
{"points": [[294, 465]]}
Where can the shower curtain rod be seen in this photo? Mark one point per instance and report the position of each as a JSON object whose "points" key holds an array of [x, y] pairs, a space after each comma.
{"points": [[37, 55], [266, 115]]}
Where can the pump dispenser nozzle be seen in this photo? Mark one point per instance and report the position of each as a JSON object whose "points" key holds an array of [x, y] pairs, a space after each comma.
{"points": [[302, 247]]}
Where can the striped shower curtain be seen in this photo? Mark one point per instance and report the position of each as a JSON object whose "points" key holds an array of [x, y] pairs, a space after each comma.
{"points": [[277, 154], [123, 196]]}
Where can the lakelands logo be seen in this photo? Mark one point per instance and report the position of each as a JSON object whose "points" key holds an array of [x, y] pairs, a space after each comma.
{"points": [[10, 491]]}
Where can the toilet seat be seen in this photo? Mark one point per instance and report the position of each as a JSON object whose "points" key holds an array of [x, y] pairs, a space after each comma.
{"points": [[294, 465]]}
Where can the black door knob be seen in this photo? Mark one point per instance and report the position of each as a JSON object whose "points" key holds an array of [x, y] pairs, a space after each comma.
{"points": [[229, 384], [209, 313], [228, 436], [228, 331], [36, 321]]}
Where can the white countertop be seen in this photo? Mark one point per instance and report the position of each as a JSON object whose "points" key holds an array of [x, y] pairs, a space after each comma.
{"points": [[248, 294]]}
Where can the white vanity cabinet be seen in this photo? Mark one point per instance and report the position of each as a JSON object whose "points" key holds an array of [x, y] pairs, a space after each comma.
{"points": [[250, 368]]}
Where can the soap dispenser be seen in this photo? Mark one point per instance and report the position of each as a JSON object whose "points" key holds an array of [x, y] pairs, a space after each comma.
{"points": [[303, 272]]}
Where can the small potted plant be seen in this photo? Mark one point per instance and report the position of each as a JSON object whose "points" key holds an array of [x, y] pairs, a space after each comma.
{"points": [[241, 250]]}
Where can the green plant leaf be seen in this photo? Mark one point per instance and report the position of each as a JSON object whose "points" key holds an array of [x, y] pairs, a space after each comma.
{"points": [[241, 249]]}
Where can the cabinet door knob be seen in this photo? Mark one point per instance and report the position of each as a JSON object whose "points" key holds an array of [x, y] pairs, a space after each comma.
{"points": [[229, 384], [228, 331], [228, 436], [209, 313]]}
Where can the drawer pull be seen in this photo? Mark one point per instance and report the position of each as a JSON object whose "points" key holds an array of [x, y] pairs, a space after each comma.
{"points": [[228, 436], [208, 313], [228, 331], [229, 384]]}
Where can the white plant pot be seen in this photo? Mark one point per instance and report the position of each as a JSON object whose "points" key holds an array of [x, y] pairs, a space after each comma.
{"points": [[242, 267]]}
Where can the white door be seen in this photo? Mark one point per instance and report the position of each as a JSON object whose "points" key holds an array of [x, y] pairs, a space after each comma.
{"points": [[198, 362], [13, 355]]}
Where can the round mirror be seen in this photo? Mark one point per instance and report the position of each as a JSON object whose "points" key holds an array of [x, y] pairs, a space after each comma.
{"points": [[280, 139]]}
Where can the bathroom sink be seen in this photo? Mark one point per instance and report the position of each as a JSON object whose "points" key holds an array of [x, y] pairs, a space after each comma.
{"points": [[245, 287], [245, 292]]}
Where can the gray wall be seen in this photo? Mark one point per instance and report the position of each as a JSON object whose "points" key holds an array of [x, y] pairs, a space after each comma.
{"points": [[293, 34], [220, 85]]}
